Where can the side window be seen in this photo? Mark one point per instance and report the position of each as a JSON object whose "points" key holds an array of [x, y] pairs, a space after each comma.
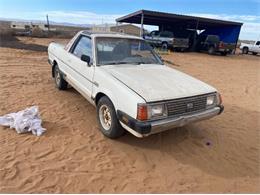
{"points": [[84, 46], [167, 34], [258, 43], [212, 39], [155, 33]]}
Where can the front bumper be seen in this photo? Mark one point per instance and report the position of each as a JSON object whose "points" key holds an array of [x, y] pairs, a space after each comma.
{"points": [[143, 129], [49, 61]]}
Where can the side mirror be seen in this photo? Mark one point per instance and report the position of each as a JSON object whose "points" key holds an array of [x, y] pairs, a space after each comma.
{"points": [[85, 58]]}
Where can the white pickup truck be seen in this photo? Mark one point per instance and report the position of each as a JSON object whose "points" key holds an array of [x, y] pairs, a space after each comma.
{"points": [[129, 84], [254, 48]]}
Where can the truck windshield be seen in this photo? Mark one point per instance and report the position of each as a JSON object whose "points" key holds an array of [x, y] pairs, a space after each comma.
{"points": [[111, 51]]}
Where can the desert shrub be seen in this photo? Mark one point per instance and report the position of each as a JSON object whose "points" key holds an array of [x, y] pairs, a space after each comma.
{"points": [[38, 32]]}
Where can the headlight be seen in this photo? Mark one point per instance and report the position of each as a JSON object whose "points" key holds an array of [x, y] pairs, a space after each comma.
{"points": [[211, 100], [156, 110], [146, 112]]}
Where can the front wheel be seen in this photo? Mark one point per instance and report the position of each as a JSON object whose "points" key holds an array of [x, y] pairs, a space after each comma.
{"points": [[211, 50], [107, 118], [245, 50]]}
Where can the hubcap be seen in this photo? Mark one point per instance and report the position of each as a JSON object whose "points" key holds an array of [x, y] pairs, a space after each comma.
{"points": [[105, 117], [57, 78]]}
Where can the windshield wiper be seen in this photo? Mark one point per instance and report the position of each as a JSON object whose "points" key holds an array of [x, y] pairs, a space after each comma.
{"points": [[114, 63], [118, 63]]}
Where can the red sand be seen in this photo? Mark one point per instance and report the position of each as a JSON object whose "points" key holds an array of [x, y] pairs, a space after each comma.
{"points": [[213, 156]]}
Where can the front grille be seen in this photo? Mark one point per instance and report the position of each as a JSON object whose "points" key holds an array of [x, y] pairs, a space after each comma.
{"points": [[186, 105]]}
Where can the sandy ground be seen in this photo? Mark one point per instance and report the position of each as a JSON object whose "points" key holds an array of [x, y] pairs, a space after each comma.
{"points": [[74, 157]]}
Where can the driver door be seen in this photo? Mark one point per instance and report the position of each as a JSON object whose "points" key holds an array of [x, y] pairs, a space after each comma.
{"points": [[83, 71]]}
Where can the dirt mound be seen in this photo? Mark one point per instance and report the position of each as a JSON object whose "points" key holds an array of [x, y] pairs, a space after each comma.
{"points": [[7, 35]]}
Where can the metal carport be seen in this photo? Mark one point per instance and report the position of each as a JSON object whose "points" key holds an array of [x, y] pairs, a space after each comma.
{"points": [[228, 31]]}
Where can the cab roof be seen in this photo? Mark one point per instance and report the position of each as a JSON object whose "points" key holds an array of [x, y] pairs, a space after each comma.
{"points": [[109, 34]]}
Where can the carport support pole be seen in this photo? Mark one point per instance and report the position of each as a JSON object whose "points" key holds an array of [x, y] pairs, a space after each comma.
{"points": [[234, 51], [195, 36], [116, 26], [142, 25]]}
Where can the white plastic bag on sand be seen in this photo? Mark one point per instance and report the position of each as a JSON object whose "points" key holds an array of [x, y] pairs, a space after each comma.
{"points": [[24, 121]]}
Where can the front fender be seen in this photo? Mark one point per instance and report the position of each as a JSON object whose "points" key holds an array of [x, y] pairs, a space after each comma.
{"points": [[122, 97]]}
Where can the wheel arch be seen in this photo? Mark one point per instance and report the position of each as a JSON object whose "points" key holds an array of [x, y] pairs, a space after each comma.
{"points": [[245, 48], [165, 42], [53, 67], [99, 95]]}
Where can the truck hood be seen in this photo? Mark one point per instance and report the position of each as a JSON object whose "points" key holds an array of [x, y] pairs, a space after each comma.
{"points": [[158, 82]]}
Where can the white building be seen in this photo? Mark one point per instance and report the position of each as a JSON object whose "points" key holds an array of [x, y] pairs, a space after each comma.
{"points": [[29, 26], [122, 28]]}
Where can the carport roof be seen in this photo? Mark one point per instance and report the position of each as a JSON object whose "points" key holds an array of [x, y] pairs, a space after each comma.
{"points": [[158, 18]]}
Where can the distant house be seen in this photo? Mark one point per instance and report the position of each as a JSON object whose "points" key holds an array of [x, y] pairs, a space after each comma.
{"points": [[101, 28], [121, 28], [27, 26]]}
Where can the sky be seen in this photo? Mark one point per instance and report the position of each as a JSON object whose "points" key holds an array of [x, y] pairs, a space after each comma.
{"points": [[106, 11]]}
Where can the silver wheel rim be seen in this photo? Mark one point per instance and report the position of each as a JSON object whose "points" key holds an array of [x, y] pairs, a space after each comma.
{"points": [[57, 78], [105, 117]]}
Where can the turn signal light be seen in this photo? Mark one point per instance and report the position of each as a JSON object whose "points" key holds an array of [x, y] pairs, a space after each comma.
{"points": [[221, 44], [142, 114]]}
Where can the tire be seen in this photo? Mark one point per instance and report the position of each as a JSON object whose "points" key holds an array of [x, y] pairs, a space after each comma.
{"points": [[211, 50], [245, 50], [224, 53], [164, 46], [254, 53], [107, 119], [61, 84], [177, 49]]}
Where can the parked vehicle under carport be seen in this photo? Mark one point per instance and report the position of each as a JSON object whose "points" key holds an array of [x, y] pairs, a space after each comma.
{"points": [[228, 31], [166, 40], [212, 45]]}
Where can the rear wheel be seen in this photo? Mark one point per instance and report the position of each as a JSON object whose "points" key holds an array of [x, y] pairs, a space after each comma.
{"points": [[223, 53], [59, 80], [211, 50], [254, 53], [164, 46], [245, 50], [107, 118], [177, 49]]}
